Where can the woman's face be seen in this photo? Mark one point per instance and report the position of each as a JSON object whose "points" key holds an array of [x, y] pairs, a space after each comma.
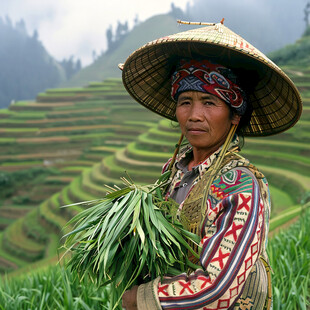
{"points": [[204, 119]]}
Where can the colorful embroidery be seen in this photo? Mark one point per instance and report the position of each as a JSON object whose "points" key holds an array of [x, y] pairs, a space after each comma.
{"points": [[234, 234]]}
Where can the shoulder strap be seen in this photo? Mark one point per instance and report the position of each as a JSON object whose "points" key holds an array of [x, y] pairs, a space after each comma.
{"points": [[268, 302]]}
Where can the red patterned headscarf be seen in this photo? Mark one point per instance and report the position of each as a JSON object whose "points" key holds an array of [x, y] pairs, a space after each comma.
{"points": [[208, 77]]}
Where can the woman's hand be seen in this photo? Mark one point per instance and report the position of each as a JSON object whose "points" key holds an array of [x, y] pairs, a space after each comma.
{"points": [[130, 299]]}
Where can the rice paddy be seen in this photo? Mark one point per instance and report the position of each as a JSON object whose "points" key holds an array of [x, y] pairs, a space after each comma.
{"points": [[92, 137]]}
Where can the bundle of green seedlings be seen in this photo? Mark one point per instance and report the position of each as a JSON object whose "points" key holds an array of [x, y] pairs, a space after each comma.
{"points": [[129, 237]]}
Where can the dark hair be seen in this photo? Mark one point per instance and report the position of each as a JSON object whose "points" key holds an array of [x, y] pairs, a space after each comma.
{"points": [[241, 77], [245, 118]]}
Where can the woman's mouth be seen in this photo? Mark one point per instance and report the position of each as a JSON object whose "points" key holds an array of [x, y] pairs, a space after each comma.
{"points": [[196, 131]]}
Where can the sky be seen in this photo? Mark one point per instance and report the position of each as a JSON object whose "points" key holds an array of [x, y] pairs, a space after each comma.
{"points": [[78, 27]]}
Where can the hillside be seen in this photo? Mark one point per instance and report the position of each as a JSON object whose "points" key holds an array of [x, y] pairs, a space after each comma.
{"points": [[44, 144], [26, 66], [92, 136], [68, 143], [294, 54], [107, 65]]}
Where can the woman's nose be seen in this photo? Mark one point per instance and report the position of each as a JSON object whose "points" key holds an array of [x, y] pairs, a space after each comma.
{"points": [[195, 113]]}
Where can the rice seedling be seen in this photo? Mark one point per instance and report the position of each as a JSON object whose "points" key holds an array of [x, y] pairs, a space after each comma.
{"points": [[129, 237]]}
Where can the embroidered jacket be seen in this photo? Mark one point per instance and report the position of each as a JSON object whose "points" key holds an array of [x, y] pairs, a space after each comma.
{"points": [[234, 236]]}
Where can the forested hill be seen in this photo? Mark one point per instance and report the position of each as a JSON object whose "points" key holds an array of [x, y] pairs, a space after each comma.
{"points": [[106, 65], [294, 54], [26, 67]]}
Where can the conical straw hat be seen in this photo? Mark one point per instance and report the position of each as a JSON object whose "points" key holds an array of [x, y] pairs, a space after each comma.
{"points": [[275, 99]]}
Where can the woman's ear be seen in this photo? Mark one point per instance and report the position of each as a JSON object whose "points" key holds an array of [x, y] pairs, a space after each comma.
{"points": [[236, 119]]}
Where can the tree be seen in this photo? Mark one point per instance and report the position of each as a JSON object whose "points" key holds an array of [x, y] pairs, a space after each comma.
{"points": [[70, 66], [307, 12], [176, 12], [35, 35], [94, 55], [136, 20], [121, 32], [109, 35], [21, 26], [26, 67]]}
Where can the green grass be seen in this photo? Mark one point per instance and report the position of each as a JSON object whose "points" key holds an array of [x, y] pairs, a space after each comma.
{"points": [[289, 254], [54, 287], [51, 288]]}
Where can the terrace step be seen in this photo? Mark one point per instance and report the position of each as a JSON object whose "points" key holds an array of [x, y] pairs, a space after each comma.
{"points": [[110, 168], [7, 258], [17, 244], [122, 160], [101, 179], [90, 187], [76, 193], [134, 152], [295, 184]]}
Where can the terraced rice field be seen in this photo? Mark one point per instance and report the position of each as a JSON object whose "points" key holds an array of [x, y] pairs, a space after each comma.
{"points": [[117, 138], [63, 130]]}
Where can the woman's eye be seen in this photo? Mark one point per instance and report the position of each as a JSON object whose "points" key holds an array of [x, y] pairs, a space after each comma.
{"points": [[208, 103], [183, 103]]}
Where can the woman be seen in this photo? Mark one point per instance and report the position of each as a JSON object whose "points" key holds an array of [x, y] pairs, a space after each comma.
{"points": [[213, 83]]}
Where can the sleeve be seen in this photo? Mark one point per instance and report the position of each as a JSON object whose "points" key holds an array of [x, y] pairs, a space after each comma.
{"points": [[233, 230]]}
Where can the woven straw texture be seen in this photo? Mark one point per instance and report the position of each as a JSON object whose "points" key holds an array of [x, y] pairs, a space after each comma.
{"points": [[275, 99]]}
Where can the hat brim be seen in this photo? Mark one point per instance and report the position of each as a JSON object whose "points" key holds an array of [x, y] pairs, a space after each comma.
{"points": [[274, 98]]}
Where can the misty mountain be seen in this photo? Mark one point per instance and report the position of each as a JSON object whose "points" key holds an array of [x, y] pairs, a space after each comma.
{"points": [[268, 24], [297, 54], [106, 64], [26, 67]]}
